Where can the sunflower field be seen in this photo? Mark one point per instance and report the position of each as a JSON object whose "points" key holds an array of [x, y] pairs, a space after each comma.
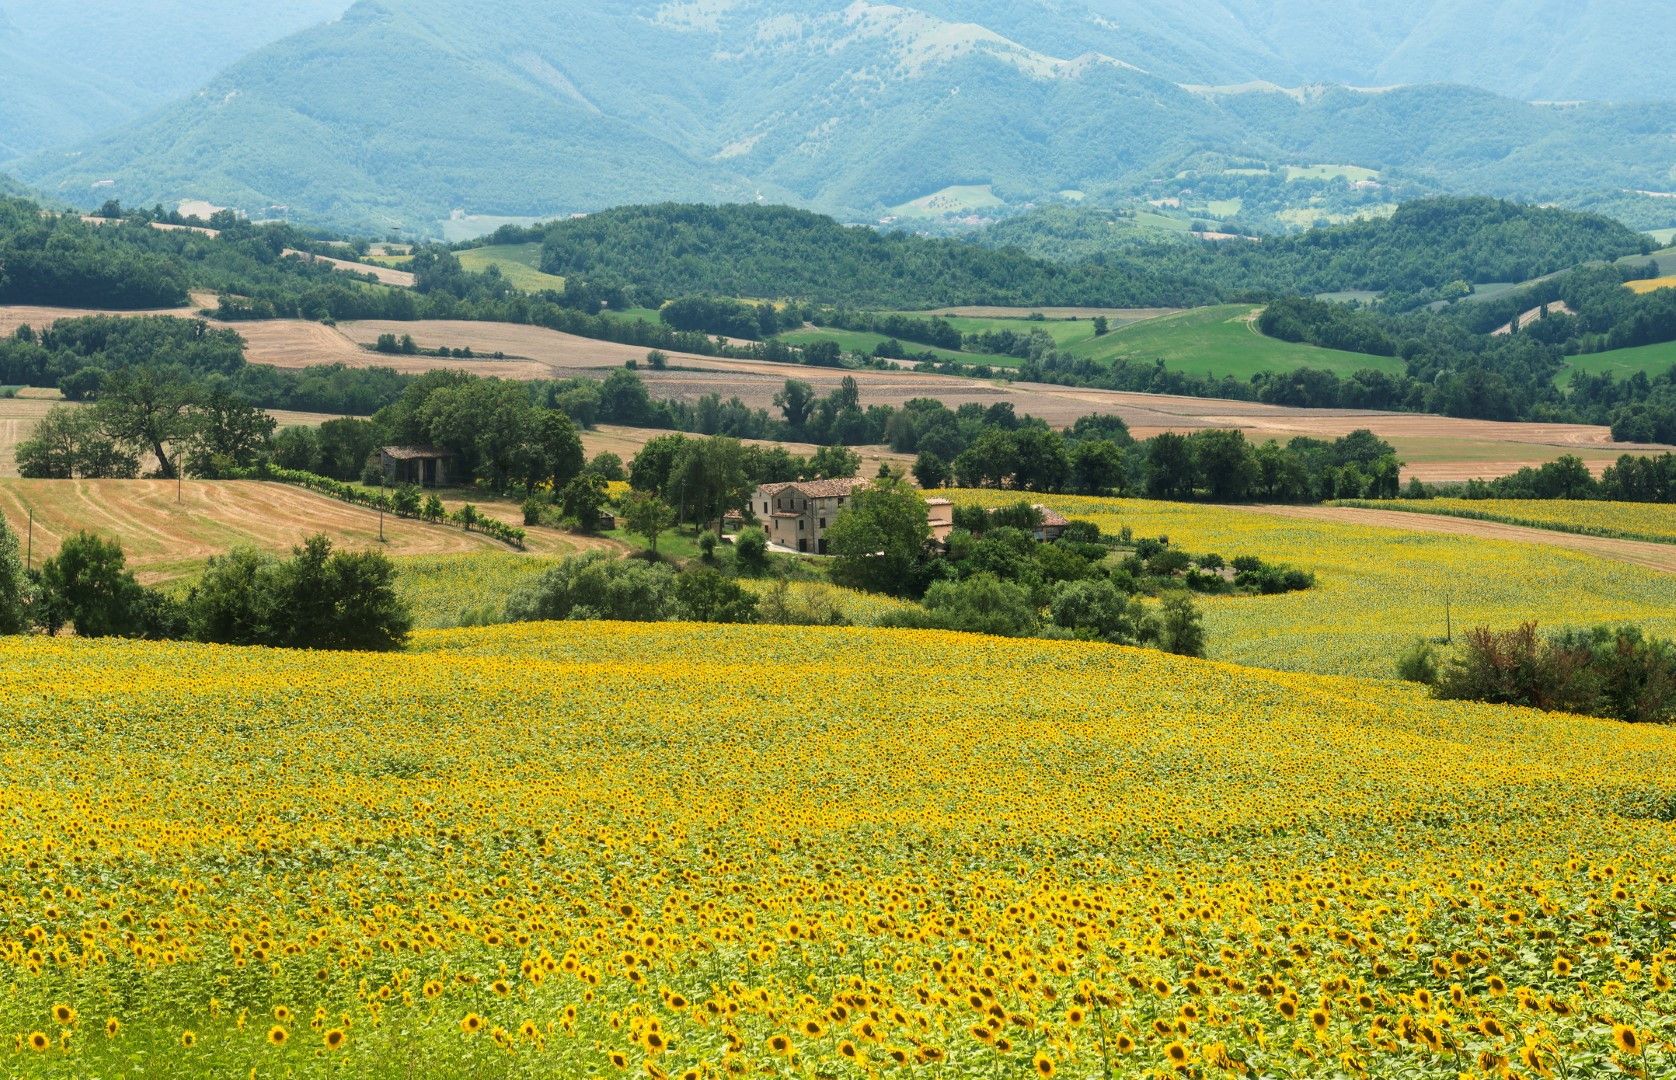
{"points": [[656, 850], [1653, 522], [1377, 589]]}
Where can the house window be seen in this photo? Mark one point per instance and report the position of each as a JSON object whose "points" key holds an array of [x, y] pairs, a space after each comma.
{"points": [[799, 524], [765, 508], [823, 523]]}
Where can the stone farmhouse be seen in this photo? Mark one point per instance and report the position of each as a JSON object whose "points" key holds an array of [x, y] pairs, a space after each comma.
{"points": [[797, 514]]}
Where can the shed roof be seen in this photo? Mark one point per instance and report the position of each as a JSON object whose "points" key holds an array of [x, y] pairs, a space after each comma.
{"points": [[816, 489], [414, 453]]}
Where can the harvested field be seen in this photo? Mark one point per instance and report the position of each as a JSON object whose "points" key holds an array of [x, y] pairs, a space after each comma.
{"points": [[389, 275], [625, 442], [164, 540], [1637, 552], [19, 415]]}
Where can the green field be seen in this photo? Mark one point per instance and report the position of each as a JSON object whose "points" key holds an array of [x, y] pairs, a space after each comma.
{"points": [[636, 314], [861, 342], [960, 199], [1350, 173], [1222, 341], [1664, 237], [1622, 363], [520, 264], [1064, 332]]}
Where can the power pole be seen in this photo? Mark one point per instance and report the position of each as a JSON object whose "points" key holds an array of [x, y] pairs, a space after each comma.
{"points": [[31, 563], [1448, 621], [177, 478], [381, 525]]}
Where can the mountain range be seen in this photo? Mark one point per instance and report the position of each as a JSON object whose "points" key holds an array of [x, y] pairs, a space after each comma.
{"points": [[401, 113]]}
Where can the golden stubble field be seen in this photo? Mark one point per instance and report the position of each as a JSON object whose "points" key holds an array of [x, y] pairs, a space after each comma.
{"points": [[1435, 448]]}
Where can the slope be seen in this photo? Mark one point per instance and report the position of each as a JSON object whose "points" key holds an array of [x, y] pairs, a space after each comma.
{"points": [[536, 109]]}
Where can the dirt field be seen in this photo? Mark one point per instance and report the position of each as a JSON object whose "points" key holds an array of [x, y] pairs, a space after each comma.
{"points": [[1655, 556], [388, 275], [164, 540], [625, 442], [1435, 448]]}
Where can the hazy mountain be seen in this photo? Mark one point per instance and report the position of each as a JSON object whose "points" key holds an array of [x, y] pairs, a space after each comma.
{"points": [[405, 110], [71, 69]]}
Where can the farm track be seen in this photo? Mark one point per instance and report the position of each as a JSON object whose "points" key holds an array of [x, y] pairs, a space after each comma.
{"points": [[1636, 552]]}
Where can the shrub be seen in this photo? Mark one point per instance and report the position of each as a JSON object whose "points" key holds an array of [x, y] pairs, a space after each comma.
{"points": [[751, 545], [705, 595], [88, 585], [595, 586], [1419, 664], [982, 604], [1180, 628], [1519, 667], [1098, 610], [16, 592]]}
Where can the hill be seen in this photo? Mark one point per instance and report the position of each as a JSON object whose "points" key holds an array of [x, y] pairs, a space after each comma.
{"points": [[67, 72], [1223, 340], [1071, 778], [753, 251], [520, 109]]}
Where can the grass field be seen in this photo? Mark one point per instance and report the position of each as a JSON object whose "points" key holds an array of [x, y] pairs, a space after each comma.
{"points": [[1631, 521], [858, 341], [1221, 340], [519, 264], [577, 850], [960, 199], [1351, 173], [1622, 363], [1378, 588], [1064, 331]]}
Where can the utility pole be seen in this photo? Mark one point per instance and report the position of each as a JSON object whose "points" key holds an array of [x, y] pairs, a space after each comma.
{"points": [[31, 563], [177, 477], [1448, 621], [381, 525]]}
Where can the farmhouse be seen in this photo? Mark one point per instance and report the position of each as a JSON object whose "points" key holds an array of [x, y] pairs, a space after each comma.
{"points": [[425, 466], [796, 515]]}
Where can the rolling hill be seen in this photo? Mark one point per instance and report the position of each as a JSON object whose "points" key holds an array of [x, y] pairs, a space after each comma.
{"points": [[532, 109], [67, 72]]}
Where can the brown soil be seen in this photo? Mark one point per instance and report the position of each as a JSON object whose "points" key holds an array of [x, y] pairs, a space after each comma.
{"points": [[1655, 556], [387, 274]]}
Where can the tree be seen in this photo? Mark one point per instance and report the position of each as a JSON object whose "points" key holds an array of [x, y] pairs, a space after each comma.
{"points": [[1169, 467], [1098, 610], [647, 516], [982, 604], [595, 586], [751, 546], [149, 407], [225, 431], [1097, 467], [583, 500], [930, 471], [705, 595], [795, 401], [88, 585], [650, 468], [555, 452], [1224, 461], [834, 463], [317, 599], [16, 592], [1101, 326], [1180, 627], [878, 542], [67, 443], [708, 479]]}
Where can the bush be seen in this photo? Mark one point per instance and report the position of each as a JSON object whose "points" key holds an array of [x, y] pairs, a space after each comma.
{"points": [[317, 599], [982, 604], [88, 585], [1519, 667], [1419, 664], [1098, 610], [751, 545], [1180, 627], [708, 596], [595, 586]]}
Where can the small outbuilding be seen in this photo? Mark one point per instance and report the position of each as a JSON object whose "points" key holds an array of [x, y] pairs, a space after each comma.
{"points": [[425, 466]]}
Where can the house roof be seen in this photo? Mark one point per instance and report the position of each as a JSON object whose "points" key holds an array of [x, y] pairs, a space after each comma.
{"points": [[816, 489], [1052, 519], [414, 453]]}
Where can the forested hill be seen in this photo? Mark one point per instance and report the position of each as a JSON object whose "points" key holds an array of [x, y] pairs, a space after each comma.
{"points": [[753, 251]]}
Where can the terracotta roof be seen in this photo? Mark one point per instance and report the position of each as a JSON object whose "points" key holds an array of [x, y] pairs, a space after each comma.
{"points": [[414, 453], [816, 489], [1052, 519]]}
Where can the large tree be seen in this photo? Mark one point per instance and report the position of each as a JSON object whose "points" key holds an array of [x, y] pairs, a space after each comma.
{"points": [[15, 589], [150, 408], [879, 541]]}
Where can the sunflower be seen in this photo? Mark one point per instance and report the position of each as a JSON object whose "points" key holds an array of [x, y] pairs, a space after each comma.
{"points": [[780, 1044], [619, 1059], [1124, 1043], [471, 1023], [188, 1039], [38, 1041], [334, 1038], [112, 1026], [1627, 1039], [63, 1014], [433, 988], [1177, 1053], [1043, 1064], [277, 1035]]}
